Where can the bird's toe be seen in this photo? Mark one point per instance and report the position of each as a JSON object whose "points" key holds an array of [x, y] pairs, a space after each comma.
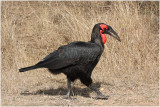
{"points": [[104, 97], [69, 98]]}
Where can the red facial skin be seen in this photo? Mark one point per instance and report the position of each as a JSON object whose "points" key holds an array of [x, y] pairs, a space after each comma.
{"points": [[103, 26], [103, 36]]}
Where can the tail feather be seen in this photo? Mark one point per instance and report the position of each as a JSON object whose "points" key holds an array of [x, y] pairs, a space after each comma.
{"points": [[27, 68]]}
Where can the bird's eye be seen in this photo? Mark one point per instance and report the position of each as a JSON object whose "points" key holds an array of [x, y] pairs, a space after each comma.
{"points": [[103, 27]]}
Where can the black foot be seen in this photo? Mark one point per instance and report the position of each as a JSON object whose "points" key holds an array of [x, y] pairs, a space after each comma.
{"points": [[69, 98], [99, 94], [103, 97]]}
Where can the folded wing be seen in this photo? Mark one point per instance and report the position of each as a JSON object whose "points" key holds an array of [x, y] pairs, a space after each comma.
{"points": [[71, 54]]}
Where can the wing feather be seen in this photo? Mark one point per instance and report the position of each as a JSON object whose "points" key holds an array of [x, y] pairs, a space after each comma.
{"points": [[71, 54]]}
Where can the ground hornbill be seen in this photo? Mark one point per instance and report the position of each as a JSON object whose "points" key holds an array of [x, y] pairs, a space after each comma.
{"points": [[78, 59]]}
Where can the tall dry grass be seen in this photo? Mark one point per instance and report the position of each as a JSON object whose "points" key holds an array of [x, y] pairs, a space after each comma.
{"points": [[32, 30]]}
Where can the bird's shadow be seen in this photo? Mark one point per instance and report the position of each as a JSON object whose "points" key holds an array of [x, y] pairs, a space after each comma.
{"points": [[63, 91]]}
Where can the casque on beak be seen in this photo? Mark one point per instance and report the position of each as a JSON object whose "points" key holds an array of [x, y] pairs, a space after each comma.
{"points": [[112, 33]]}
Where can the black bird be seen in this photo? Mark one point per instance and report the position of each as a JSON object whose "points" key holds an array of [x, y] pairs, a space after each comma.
{"points": [[78, 59]]}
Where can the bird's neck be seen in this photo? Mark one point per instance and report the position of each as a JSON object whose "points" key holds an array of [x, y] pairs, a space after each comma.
{"points": [[96, 38]]}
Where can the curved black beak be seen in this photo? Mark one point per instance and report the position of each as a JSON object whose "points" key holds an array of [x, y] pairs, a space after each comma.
{"points": [[110, 31]]}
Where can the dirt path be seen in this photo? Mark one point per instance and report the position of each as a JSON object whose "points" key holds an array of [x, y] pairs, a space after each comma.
{"points": [[119, 95]]}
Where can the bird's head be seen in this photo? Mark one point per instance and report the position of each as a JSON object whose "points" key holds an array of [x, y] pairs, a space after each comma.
{"points": [[106, 29]]}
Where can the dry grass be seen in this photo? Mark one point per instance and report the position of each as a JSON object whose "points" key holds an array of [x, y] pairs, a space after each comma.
{"points": [[128, 70]]}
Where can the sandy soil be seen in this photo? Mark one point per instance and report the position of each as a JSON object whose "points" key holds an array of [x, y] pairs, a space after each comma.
{"points": [[38, 95]]}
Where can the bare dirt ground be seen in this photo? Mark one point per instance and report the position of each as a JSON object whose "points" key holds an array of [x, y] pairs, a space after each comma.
{"points": [[135, 94], [44, 89]]}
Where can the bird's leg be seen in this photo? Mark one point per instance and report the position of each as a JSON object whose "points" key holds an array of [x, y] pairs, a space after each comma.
{"points": [[99, 94], [69, 88], [68, 96]]}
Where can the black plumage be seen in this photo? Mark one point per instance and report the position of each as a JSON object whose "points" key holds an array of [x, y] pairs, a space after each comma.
{"points": [[77, 59]]}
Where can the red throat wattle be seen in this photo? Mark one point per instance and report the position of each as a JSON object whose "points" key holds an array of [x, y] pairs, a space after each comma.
{"points": [[103, 36]]}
